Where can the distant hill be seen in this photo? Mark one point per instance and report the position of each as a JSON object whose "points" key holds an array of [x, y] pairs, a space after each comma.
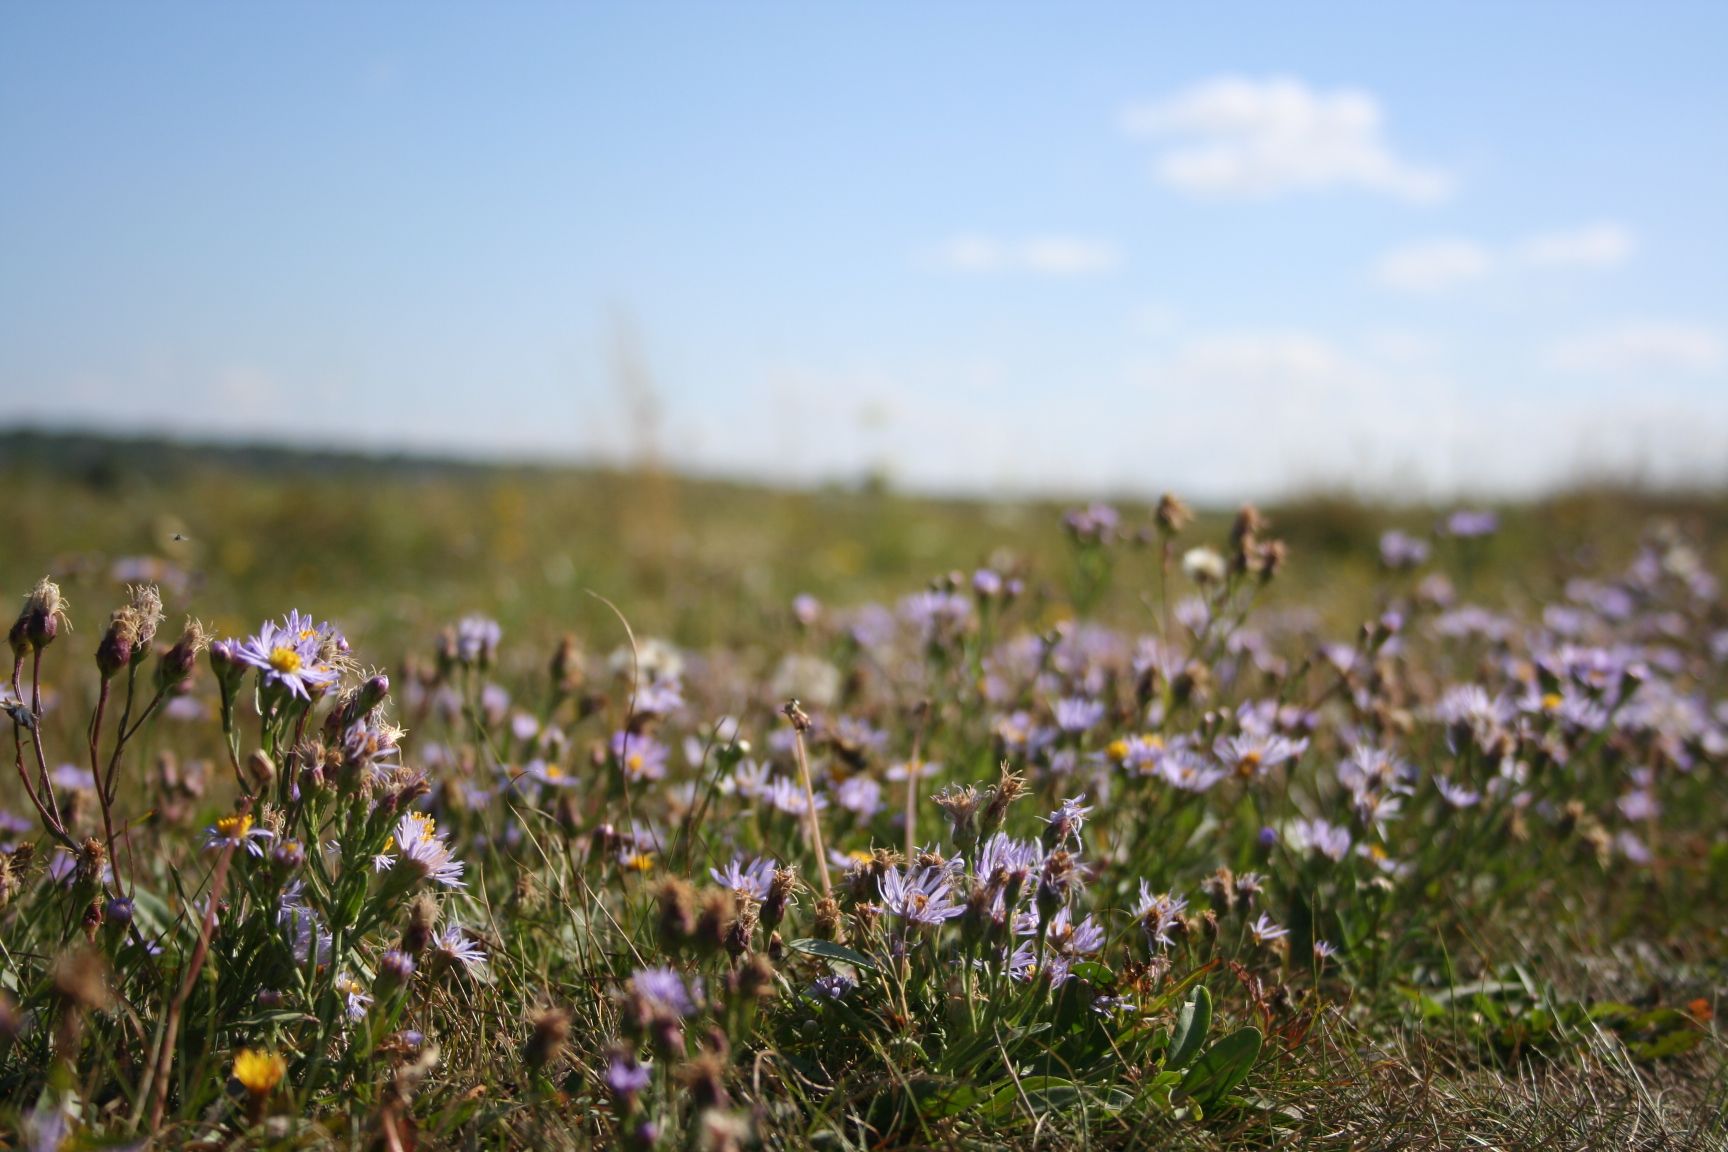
{"points": [[102, 458]]}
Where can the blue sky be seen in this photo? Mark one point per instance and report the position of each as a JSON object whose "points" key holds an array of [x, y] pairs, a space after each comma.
{"points": [[1230, 250]]}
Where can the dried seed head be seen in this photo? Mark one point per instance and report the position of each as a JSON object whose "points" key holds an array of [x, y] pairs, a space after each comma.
{"points": [[178, 662], [827, 924], [756, 977], [705, 1076], [1172, 515], [780, 893], [81, 978], [549, 1030], [742, 930], [422, 919], [119, 641], [1009, 788], [714, 915], [677, 901], [800, 719], [961, 802], [567, 674], [145, 600], [41, 619], [1221, 887]]}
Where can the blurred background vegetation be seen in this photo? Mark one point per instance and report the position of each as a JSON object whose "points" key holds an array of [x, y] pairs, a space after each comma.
{"points": [[391, 548]]}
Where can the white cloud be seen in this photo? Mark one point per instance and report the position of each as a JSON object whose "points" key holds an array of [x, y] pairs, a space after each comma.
{"points": [[1640, 348], [1433, 265], [1253, 413], [1051, 255], [1232, 136], [1437, 265], [1604, 245], [971, 254], [1067, 255]]}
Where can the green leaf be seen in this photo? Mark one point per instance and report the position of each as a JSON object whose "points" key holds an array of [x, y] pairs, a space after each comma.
{"points": [[829, 950], [1094, 973], [1224, 1066], [1193, 1021], [936, 1099], [1042, 1093]]}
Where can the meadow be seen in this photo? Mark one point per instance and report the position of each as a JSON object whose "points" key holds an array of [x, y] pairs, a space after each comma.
{"points": [[393, 805]]}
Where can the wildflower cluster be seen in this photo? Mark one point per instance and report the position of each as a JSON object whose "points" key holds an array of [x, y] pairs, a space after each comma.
{"points": [[934, 863]]}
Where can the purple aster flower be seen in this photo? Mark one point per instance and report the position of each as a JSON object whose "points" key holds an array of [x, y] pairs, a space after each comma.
{"points": [[1639, 805], [355, 998], [1468, 524], [1004, 862], [1265, 931], [1632, 847], [660, 697], [477, 640], [237, 831], [625, 1077], [937, 615], [664, 991], [1066, 821], [872, 627], [1186, 770], [834, 986], [1253, 755], [860, 795], [640, 757], [456, 948], [1077, 714], [1398, 550], [71, 778], [921, 895], [1330, 840], [1457, 795], [1094, 524], [288, 654], [746, 876], [549, 774], [1064, 936], [784, 794], [1159, 914], [806, 609], [424, 848], [1023, 965]]}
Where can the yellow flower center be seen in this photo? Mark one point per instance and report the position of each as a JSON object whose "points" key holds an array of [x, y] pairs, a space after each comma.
{"points": [[234, 827], [259, 1072], [1551, 702], [1117, 751], [284, 659], [639, 862]]}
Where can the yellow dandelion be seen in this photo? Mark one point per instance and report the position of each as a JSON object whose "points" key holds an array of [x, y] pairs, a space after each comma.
{"points": [[259, 1072]]}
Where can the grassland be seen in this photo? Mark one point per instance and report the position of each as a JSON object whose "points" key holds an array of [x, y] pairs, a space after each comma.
{"points": [[1494, 922]]}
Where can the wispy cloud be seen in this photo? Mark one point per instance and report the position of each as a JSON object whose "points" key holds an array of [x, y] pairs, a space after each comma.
{"points": [[1051, 255], [1604, 245], [1636, 349], [1433, 265], [1439, 264], [1238, 137]]}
